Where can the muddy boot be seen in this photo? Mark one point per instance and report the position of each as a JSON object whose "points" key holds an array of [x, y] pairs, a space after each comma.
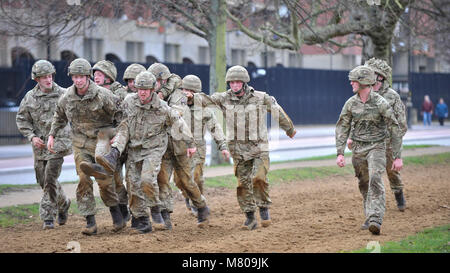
{"points": [[157, 219], [125, 212], [134, 222], [91, 226], [401, 203], [166, 216], [117, 218], [374, 227], [250, 223], [109, 161], [188, 205], [144, 225], [48, 224], [94, 169], [202, 217], [365, 225], [265, 218], [194, 211], [62, 216]]}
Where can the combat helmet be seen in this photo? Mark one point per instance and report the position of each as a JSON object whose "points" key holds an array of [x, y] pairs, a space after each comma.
{"points": [[132, 71], [192, 82], [362, 74], [380, 67], [42, 68], [145, 80], [80, 66], [237, 73], [107, 67], [160, 71]]}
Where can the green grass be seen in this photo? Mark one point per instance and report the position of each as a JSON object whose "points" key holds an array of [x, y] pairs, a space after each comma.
{"points": [[432, 240]]}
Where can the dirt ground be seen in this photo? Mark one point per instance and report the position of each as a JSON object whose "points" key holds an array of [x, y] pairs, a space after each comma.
{"points": [[322, 215]]}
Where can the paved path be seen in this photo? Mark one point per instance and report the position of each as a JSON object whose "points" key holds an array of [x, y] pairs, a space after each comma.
{"points": [[31, 196]]}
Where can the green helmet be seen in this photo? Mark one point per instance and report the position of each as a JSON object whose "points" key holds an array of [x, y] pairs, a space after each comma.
{"points": [[42, 68], [80, 66], [145, 80], [192, 82], [237, 73], [132, 71], [380, 67], [362, 74], [107, 67], [160, 71]]}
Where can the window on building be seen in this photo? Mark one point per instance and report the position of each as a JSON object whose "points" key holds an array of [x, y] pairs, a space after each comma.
{"points": [[238, 57], [172, 53], [203, 55], [135, 51], [93, 49], [295, 60], [270, 58]]}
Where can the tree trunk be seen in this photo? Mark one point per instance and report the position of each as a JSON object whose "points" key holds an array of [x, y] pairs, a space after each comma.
{"points": [[218, 65], [379, 48]]}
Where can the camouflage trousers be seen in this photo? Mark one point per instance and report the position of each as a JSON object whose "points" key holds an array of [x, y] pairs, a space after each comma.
{"points": [[394, 177], [181, 165], [369, 162], [54, 199], [197, 167], [102, 148], [144, 191], [85, 189], [253, 185]]}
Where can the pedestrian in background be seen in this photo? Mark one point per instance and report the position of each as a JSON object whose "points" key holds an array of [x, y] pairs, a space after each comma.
{"points": [[427, 110], [441, 111]]}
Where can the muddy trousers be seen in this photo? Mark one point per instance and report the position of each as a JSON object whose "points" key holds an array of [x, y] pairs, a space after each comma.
{"points": [[395, 180], [197, 168], [53, 200], [85, 189], [181, 165], [253, 186], [369, 165]]}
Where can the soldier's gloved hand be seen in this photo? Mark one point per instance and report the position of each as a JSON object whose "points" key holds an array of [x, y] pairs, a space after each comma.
{"points": [[397, 165], [340, 161], [50, 143], [349, 143], [191, 151], [226, 154], [38, 143], [292, 134]]}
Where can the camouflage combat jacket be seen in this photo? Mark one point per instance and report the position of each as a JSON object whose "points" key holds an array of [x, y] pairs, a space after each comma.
{"points": [[35, 117], [146, 126], [368, 123], [172, 84], [199, 119], [246, 119], [97, 109], [394, 100], [118, 90]]}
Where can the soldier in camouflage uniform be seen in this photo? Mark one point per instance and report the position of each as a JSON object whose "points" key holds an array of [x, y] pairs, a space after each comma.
{"points": [[368, 116], [33, 120], [88, 108], [130, 75], [198, 119], [105, 74], [145, 132], [245, 110], [383, 73], [175, 159]]}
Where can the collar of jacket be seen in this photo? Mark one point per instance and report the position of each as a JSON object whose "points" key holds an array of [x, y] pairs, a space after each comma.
{"points": [[371, 95], [39, 93], [248, 93]]}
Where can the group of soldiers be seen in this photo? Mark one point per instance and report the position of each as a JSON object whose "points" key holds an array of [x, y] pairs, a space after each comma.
{"points": [[155, 127], [372, 123]]}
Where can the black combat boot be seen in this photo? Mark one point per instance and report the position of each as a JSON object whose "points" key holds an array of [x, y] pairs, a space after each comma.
{"points": [[117, 218], [125, 212], [374, 227], [48, 224], [91, 226], [250, 223], [94, 169], [202, 217], [401, 203], [265, 217], [109, 161], [144, 225], [157, 219], [134, 222], [63, 215], [194, 211], [166, 216], [188, 205]]}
